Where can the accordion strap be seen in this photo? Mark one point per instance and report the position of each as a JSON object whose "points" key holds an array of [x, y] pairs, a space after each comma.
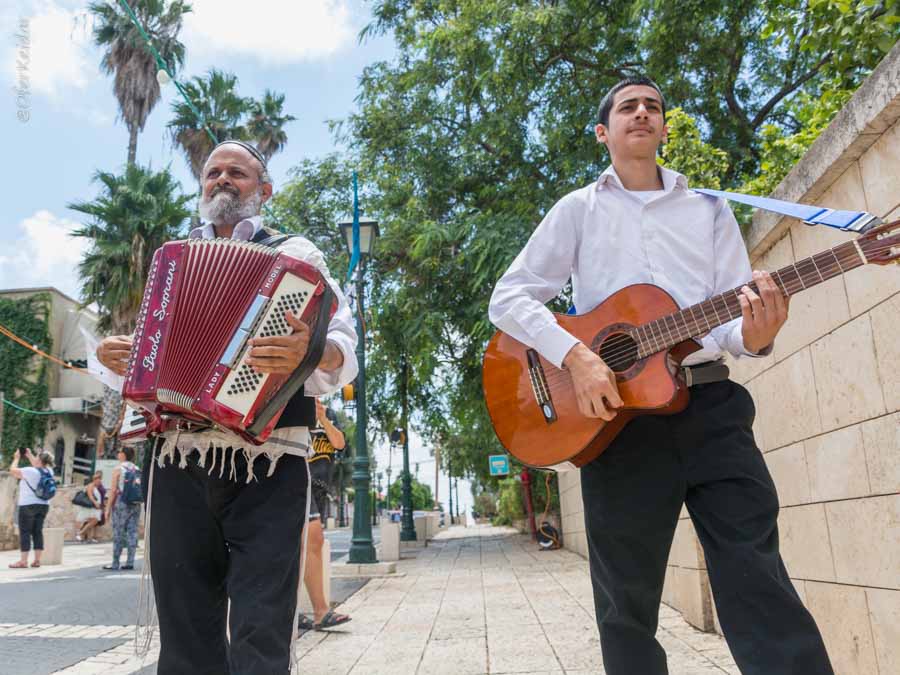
{"points": [[275, 240], [304, 370]]}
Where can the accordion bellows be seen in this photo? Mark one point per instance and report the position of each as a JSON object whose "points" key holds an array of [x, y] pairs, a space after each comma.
{"points": [[204, 299]]}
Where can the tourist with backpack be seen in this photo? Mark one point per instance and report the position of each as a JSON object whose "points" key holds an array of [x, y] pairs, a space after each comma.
{"points": [[36, 488], [124, 508]]}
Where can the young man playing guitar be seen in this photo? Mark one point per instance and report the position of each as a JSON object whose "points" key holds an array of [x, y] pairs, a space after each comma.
{"points": [[639, 223]]}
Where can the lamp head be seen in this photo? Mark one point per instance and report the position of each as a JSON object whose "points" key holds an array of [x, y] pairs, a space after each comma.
{"points": [[368, 233]]}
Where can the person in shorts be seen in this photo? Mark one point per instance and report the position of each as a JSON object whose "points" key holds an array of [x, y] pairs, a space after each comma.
{"points": [[327, 441]]}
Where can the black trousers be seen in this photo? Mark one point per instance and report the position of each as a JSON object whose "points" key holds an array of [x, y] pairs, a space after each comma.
{"points": [[31, 526], [706, 458], [216, 539]]}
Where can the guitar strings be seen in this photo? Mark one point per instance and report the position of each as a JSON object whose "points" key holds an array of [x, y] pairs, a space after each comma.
{"points": [[619, 356], [615, 357]]}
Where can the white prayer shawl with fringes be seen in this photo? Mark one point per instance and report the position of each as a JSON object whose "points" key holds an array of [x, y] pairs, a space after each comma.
{"points": [[210, 447]]}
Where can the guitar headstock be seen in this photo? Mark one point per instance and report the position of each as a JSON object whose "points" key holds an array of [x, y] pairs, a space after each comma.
{"points": [[881, 245]]}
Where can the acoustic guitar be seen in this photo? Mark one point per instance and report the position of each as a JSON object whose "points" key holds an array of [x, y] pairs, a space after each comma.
{"points": [[642, 335]]}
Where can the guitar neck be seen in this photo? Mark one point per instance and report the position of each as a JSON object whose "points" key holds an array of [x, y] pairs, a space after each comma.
{"points": [[696, 320]]}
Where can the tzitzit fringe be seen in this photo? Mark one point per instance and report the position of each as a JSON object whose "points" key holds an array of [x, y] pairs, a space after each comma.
{"points": [[210, 447]]}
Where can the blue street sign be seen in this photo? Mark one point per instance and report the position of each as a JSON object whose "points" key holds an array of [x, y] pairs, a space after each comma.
{"points": [[499, 465]]}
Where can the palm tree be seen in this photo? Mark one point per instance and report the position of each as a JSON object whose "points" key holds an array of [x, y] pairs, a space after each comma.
{"points": [[266, 124], [222, 109], [137, 213], [130, 60]]}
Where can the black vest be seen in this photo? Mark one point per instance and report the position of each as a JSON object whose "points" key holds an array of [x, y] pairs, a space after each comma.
{"points": [[301, 409]]}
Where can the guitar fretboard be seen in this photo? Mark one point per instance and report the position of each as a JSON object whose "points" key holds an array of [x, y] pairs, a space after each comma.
{"points": [[696, 320]]}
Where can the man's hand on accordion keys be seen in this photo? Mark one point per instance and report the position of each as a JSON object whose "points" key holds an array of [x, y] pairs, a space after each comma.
{"points": [[113, 352], [280, 354]]}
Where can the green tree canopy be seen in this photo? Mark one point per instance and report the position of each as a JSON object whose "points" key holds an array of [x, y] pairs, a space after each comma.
{"points": [[484, 119], [748, 59], [422, 499], [685, 152]]}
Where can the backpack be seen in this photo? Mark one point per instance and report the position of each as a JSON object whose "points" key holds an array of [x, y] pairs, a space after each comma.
{"points": [[131, 485], [46, 487]]}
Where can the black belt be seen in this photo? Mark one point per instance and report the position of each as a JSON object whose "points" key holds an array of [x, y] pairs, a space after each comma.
{"points": [[705, 373]]}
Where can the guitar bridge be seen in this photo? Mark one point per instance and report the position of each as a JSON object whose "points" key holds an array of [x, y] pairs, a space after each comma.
{"points": [[539, 387]]}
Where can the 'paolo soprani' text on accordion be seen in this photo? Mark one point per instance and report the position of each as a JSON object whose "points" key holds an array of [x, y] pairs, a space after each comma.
{"points": [[204, 299]]}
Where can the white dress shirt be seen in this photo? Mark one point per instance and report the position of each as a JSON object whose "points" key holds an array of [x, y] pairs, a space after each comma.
{"points": [[604, 238], [341, 331]]}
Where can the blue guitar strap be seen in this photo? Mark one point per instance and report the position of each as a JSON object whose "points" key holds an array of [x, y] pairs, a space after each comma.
{"points": [[849, 221]]}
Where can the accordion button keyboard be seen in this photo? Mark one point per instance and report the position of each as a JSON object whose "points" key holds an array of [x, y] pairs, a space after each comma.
{"points": [[242, 385]]}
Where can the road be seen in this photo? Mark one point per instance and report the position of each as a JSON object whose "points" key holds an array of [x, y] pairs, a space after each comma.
{"points": [[340, 541], [96, 600]]}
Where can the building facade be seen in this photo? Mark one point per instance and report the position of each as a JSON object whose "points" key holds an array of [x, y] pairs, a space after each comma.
{"points": [[72, 433]]}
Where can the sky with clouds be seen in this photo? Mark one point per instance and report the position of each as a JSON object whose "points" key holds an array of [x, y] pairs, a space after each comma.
{"points": [[65, 127]]}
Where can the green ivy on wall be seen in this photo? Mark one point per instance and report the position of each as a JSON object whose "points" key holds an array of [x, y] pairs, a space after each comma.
{"points": [[24, 374]]}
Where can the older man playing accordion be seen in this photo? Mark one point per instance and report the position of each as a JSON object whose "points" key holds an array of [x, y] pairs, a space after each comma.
{"points": [[226, 515]]}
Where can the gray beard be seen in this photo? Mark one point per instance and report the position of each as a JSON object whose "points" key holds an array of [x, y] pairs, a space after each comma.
{"points": [[228, 209]]}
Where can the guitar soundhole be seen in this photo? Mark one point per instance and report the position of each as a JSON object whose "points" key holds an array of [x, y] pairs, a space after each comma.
{"points": [[619, 351]]}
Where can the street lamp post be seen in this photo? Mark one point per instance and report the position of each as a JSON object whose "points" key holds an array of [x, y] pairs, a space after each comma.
{"points": [[407, 526], [341, 520], [375, 507], [362, 549], [450, 485]]}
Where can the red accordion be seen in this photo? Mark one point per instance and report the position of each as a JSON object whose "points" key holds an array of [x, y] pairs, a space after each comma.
{"points": [[204, 299]]}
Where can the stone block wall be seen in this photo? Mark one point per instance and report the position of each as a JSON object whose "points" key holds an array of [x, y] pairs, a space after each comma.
{"points": [[828, 403], [572, 509], [9, 537]]}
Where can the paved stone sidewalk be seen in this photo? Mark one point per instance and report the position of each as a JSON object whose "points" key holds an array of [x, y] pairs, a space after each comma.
{"points": [[478, 600], [486, 600]]}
